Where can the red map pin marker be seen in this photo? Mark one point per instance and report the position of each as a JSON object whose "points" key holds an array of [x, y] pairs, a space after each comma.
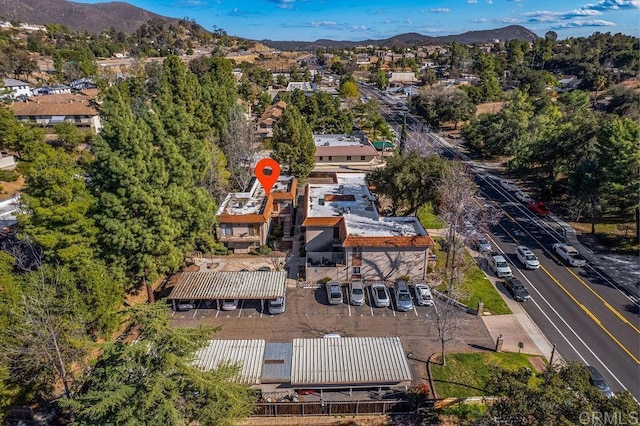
{"points": [[267, 171]]}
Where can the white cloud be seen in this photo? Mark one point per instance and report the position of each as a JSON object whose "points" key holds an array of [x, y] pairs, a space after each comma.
{"points": [[440, 10], [323, 24], [489, 1], [284, 4], [480, 20], [591, 23], [472, 1], [613, 5], [507, 21]]}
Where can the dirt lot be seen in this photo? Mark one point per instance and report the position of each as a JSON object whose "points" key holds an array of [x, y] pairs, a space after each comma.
{"points": [[9, 189]]}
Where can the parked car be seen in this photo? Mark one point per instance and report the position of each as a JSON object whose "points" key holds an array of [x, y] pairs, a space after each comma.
{"points": [[498, 264], [469, 229], [380, 295], [569, 254], [356, 293], [277, 305], [596, 379], [403, 296], [528, 259], [229, 304], [521, 196], [423, 295], [517, 289], [334, 292], [539, 208], [264, 269], [185, 306], [482, 244], [508, 185]]}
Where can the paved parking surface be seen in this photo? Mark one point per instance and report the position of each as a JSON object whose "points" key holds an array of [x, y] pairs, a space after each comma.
{"points": [[308, 314]]}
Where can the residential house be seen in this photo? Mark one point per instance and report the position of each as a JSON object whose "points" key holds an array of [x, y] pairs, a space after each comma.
{"points": [[245, 218], [46, 111], [15, 89], [56, 89], [305, 86], [341, 150], [268, 118], [346, 238], [402, 78]]}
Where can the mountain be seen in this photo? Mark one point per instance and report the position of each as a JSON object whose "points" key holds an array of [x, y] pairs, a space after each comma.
{"points": [[78, 16], [411, 39]]}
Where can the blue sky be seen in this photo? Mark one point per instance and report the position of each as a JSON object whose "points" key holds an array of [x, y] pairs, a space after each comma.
{"points": [[355, 20]]}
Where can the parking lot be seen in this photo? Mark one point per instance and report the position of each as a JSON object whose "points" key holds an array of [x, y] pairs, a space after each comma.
{"points": [[308, 314]]}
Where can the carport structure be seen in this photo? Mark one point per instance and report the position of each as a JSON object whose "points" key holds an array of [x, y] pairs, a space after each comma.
{"points": [[209, 285]]}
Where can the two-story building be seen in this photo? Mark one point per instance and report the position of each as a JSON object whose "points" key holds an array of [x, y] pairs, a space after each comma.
{"points": [[245, 218], [268, 118], [49, 110], [15, 89], [346, 238]]}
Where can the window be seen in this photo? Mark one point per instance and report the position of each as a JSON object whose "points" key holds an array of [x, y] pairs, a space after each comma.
{"points": [[348, 158], [362, 158], [226, 230], [356, 270], [321, 158], [330, 158], [357, 252]]}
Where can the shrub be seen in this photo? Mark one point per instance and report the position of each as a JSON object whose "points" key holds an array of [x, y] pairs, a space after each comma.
{"points": [[325, 280], [9, 175], [405, 278]]}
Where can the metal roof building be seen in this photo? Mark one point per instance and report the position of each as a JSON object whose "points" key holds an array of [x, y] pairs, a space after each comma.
{"points": [[207, 285], [248, 353], [349, 361]]}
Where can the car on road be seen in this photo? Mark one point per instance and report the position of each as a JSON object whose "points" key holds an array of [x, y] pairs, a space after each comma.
{"points": [[527, 258], [423, 295], [569, 254], [517, 289], [521, 196], [508, 185], [334, 292], [403, 296], [356, 293], [596, 379], [277, 305], [380, 295], [498, 264], [539, 208], [229, 304], [482, 244], [469, 229]]}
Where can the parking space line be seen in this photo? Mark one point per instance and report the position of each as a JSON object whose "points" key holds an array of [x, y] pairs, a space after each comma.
{"points": [[217, 311], [370, 302], [196, 310], [415, 311], [240, 308]]}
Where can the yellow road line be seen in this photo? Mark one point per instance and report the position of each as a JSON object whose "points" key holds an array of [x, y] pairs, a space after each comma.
{"points": [[606, 304]]}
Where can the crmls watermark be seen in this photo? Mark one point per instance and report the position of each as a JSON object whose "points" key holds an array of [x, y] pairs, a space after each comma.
{"points": [[604, 418]]}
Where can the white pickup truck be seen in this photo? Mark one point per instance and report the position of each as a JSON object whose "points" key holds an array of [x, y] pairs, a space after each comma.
{"points": [[569, 254]]}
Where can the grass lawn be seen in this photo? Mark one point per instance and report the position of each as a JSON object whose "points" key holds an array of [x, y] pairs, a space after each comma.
{"points": [[474, 284], [428, 219], [615, 237], [466, 374]]}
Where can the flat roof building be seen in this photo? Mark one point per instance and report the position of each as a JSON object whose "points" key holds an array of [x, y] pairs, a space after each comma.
{"points": [[342, 149]]}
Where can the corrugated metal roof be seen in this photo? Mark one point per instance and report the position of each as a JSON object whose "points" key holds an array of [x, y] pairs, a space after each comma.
{"points": [[351, 360], [277, 363], [249, 353], [229, 285]]}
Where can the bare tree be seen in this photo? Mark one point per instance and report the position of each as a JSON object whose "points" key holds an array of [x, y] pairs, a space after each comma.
{"points": [[447, 322], [47, 344], [237, 143]]}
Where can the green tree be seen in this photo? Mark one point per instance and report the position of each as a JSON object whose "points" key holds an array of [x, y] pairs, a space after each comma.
{"points": [[381, 80], [57, 204], [16, 136], [558, 395], [70, 135], [153, 380], [293, 144], [408, 180], [349, 90]]}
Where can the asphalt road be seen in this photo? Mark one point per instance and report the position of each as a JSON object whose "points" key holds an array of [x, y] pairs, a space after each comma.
{"points": [[580, 310]]}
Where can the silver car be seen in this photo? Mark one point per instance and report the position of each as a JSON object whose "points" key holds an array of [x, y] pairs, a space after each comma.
{"points": [[334, 292], [482, 244], [403, 296], [356, 293], [527, 258], [277, 305], [380, 295], [423, 295]]}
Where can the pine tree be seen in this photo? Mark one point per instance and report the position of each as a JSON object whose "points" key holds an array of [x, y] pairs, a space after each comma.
{"points": [[293, 143]]}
